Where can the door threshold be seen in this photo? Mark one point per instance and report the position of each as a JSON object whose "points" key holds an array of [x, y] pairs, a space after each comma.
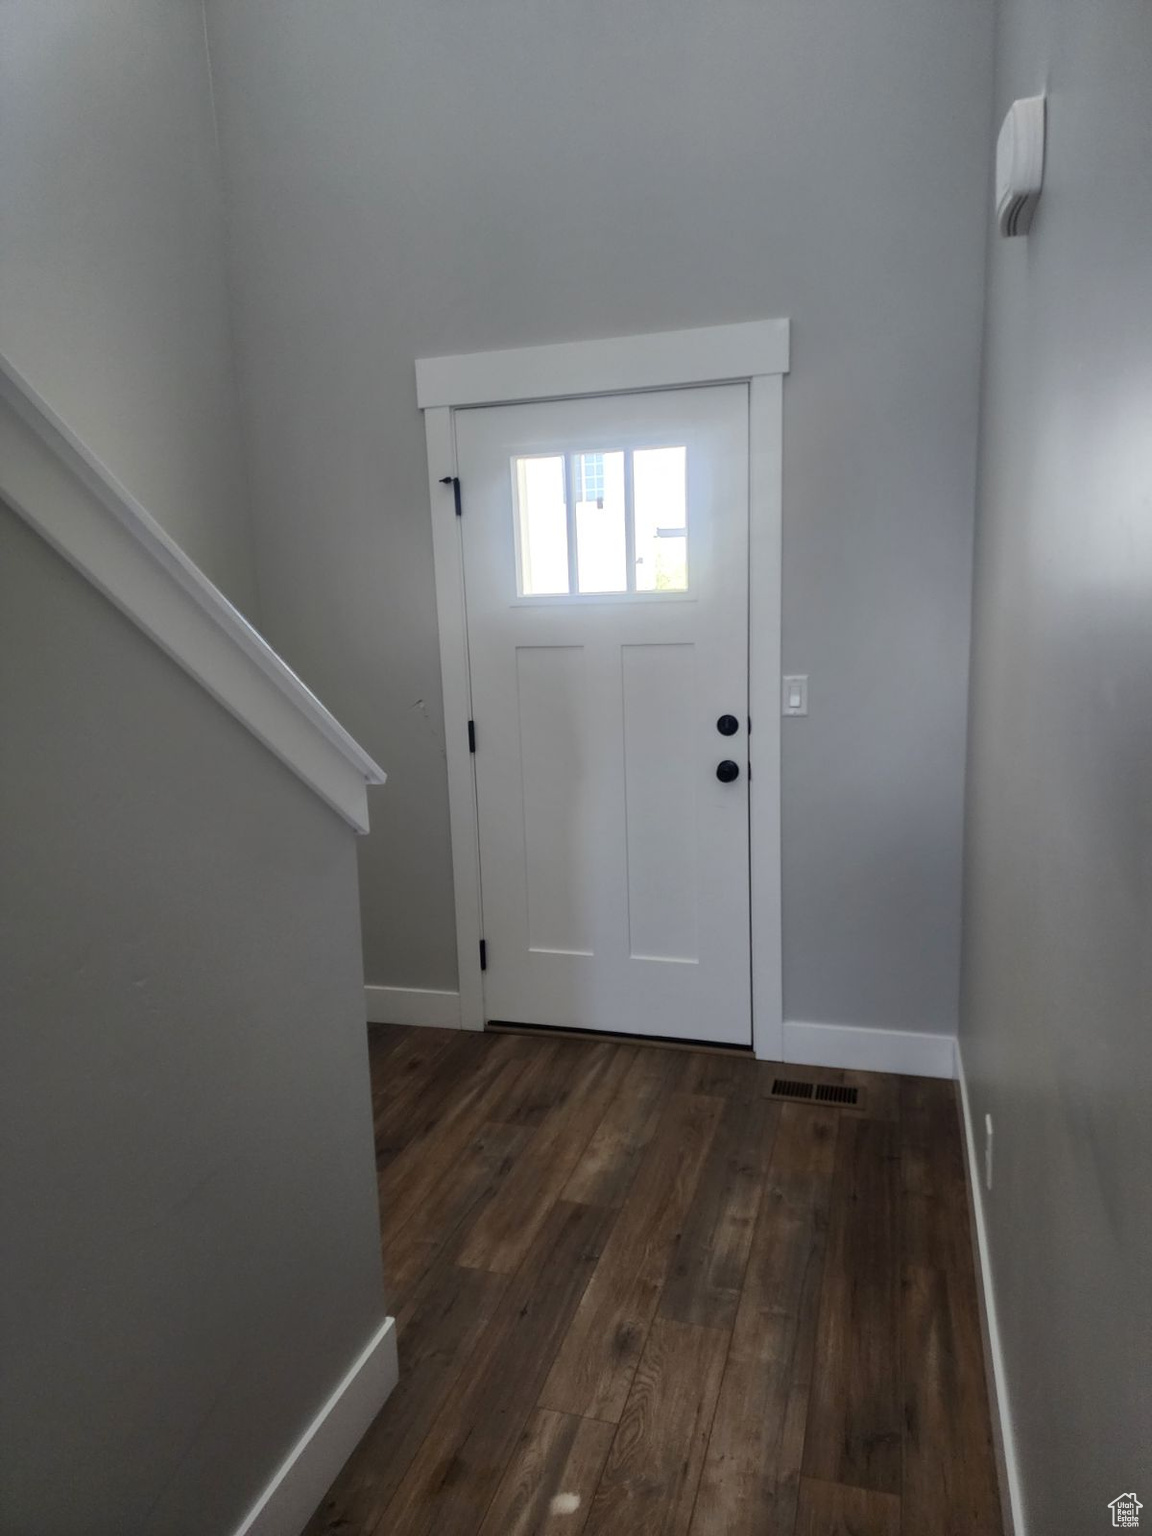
{"points": [[665, 1042]]}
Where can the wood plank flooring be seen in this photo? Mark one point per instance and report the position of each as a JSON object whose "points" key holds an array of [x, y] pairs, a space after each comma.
{"points": [[638, 1297]]}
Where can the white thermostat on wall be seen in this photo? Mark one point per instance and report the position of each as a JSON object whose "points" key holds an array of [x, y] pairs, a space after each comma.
{"points": [[1019, 165]]}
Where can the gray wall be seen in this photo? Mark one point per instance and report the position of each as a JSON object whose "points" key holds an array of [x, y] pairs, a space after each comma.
{"points": [[1058, 919], [187, 1203], [113, 293], [418, 178]]}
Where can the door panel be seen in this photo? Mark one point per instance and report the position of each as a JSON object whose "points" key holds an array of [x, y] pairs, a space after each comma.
{"points": [[605, 558], [558, 813], [661, 709]]}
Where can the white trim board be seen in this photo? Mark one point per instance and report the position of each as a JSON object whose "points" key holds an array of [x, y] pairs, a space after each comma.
{"points": [[765, 602], [308, 1471], [456, 691], [1010, 1491], [710, 354], [757, 353], [904, 1051], [58, 486], [412, 1005]]}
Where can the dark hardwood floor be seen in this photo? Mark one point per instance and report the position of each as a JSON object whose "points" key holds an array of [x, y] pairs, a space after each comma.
{"points": [[638, 1295]]}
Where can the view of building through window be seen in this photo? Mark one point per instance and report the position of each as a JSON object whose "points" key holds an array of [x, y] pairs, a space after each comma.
{"points": [[602, 522]]}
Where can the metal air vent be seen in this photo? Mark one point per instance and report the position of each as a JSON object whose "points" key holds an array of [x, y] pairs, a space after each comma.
{"points": [[794, 1090]]}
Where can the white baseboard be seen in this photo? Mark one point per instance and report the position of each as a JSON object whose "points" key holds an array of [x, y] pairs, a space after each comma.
{"points": [[1001, 1408], [412, 1005], [309, 1469], [870, 1050]]}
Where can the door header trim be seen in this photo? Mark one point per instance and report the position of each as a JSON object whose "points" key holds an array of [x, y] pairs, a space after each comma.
{"points": [[711, 354]]}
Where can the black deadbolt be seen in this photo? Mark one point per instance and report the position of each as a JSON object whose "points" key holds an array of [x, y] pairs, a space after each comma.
{"points": [[727, 725], [727, 771]]}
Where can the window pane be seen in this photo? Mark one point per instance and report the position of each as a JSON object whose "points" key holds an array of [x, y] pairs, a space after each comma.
{"points": [[542, 516], [660, 500], [601, 553]]}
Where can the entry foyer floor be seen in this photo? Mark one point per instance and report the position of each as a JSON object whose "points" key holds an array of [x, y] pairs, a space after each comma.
{"points": [[636, 1295]]}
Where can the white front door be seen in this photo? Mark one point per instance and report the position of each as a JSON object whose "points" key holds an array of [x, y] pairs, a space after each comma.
{"points": [[606, 581]]}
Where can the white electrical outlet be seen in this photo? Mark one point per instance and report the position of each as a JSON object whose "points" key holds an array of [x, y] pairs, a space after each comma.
{"points": [[988, 1151]]}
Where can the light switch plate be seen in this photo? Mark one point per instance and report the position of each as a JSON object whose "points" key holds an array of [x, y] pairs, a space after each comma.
{"points": [[794, 695]]}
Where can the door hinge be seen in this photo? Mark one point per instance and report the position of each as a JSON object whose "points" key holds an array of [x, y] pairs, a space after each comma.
{"points": [[483, 954], [454, 482], [471, 735]]}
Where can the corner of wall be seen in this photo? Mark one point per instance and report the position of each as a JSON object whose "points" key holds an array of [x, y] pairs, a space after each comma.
{"points": [[243, 422]]}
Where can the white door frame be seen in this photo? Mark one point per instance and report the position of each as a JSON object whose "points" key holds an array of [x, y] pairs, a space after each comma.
{"points": [[755, 353]]}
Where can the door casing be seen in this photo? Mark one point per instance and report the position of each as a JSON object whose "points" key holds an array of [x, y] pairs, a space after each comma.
{"points": [[756, 353]]}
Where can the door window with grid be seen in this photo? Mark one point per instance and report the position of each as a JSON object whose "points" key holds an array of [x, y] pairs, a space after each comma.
{"points": [[602, 522]]}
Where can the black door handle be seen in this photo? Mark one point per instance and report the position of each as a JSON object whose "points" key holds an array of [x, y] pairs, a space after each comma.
{"points": [[727, 771], [727, 725]]}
